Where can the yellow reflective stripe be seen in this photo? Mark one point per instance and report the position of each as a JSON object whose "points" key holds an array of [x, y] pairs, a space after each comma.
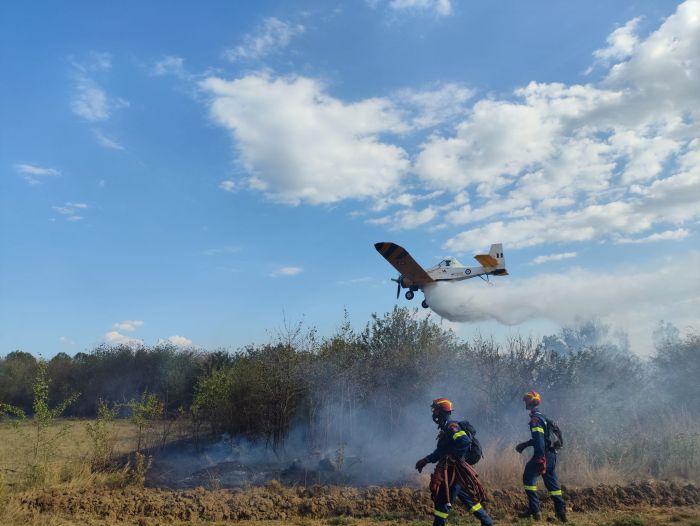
{"points": [[530, 488], [537, 430], [441, 514], [458, 434], [555, 492], [475, 507]]}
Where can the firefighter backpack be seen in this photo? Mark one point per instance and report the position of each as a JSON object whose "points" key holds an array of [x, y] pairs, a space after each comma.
{"points": [[474, 453], [553, 439]]}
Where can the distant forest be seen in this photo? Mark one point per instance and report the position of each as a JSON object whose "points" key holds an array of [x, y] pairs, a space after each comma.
{"points": [[389, 371]]}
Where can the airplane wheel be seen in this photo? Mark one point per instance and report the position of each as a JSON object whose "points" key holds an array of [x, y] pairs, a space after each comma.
{"points": [[409, 294], [424, 304]]}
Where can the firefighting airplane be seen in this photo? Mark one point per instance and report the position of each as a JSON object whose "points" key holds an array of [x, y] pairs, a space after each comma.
{"points": [[414, 277]]}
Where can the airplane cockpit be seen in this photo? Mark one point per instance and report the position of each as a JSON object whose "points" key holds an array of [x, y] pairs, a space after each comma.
{"points": [[449, 263]]}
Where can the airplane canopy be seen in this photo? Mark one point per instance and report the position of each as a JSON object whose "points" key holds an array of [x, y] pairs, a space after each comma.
{"points": [[449, 262]]}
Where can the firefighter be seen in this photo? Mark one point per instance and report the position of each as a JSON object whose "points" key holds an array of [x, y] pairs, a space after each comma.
{"points": [[453, 442], [543, 462]]}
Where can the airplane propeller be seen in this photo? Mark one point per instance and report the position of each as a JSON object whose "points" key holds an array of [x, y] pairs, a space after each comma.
{"points": [[398, 286]]}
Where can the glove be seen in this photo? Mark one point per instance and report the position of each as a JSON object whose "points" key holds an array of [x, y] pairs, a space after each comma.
{"points": [[520, 447], [541, 465], [421, 464]]}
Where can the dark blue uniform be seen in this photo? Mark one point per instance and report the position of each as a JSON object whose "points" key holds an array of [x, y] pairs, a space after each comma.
{"points": [[538, 425], [454, 442]]}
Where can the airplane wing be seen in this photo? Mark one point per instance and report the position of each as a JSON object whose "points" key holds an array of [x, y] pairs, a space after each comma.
{"points": [[402, 261], [486, 260]]}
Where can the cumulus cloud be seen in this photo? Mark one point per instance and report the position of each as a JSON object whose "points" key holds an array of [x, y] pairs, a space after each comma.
{"points": [[271, 37], [553, 257], [300, 144], [128, 325], [612, 160], [117, 338], [286, 271], [621, 43], [437, 105], [33, 174], [180, 341], [439, 7], [632, 298]]}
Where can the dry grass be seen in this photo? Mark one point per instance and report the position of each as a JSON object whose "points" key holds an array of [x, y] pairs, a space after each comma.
{"points": [[502, 467], [688, 516], [71, 463]]}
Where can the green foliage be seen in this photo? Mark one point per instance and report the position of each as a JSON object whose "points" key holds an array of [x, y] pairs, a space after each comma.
{"points": [[101, 433], [146, 411], [45, 432]]}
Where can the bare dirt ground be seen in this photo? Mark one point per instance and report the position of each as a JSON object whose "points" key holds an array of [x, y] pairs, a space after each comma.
{"points": [[643, 503]]}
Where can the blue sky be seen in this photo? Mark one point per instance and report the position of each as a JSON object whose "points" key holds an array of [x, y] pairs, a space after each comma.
{"points": [[200, 173]]}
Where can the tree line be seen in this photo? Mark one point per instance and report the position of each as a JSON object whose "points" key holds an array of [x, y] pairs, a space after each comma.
{"points": [[330, 389]]}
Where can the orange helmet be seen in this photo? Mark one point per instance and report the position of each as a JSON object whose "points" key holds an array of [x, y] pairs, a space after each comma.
{"points": [[441, 405], [532, 398]]}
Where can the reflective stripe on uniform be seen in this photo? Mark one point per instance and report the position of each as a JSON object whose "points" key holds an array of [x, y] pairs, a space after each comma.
{"points": [[530, 488], [441, 514], [537, 430], [458, 434], [555, 492], [476, 507]]}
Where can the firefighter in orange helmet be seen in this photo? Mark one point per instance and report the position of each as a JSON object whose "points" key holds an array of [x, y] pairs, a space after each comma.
{"points": [[454, 441], [545, 441]]}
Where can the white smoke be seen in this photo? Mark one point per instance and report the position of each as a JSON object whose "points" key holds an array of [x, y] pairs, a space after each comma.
{"points": [[634, 299]]}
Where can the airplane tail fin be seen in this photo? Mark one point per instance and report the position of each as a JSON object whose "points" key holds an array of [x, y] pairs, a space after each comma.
{"points": [[496, 252], [494, 260]]}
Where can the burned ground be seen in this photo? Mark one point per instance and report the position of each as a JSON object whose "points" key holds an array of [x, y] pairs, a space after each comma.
{"points": [[277, 502]]}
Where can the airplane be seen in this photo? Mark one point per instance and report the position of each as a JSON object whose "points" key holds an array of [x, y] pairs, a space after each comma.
{"points": [[414, 277]]}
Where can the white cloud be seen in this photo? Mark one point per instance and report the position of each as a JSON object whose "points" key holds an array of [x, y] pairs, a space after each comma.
{"points": [[301, 145], [273, 36], [70, 210], [442, 103], [116, 338], [553, 257], [90, 101], [107, 142], [180, 341], [407, 219], [631, 298], [65, 340], [668, 235], [612, 160], [32, 172], [169, 65], [287, 271], [228, 185], [439, 7], [128, 325], [621, 43]]}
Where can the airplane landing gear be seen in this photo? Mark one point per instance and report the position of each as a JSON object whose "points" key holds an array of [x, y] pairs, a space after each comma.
{"points": [[424, 304], [409, 294]]}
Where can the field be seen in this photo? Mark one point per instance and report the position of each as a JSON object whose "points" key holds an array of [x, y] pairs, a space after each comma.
{"points": [[71, 494]]}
